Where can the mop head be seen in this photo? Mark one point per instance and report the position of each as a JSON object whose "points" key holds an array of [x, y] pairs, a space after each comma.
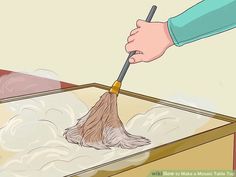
{"points": [[101, 128]]}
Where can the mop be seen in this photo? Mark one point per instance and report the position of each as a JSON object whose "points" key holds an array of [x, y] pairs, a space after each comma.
{"points": [[101, 127]]}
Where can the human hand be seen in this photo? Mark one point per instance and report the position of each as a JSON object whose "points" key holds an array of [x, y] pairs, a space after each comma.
{"points": [[149, 40]]}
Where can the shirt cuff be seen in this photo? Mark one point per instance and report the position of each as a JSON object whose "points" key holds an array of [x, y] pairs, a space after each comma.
{"points": [[170, 29]]}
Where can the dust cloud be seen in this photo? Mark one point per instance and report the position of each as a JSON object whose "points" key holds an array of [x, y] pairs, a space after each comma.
{"points": [[34, 135]]}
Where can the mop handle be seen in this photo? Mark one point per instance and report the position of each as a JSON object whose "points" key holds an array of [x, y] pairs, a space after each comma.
{"points": [[126, 65]]}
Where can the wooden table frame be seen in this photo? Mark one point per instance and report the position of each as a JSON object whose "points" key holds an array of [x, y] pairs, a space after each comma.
{"points": [[163, 150]]}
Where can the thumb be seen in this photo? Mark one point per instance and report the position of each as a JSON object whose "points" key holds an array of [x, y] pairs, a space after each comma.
{"points": [[136, 58], [140, 23]]}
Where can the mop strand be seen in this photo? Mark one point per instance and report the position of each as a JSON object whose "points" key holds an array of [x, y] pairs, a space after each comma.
{"points": [[101, 128]]}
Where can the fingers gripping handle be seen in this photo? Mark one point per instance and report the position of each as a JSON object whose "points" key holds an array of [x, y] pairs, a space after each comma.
{"points": [[126, 65]]}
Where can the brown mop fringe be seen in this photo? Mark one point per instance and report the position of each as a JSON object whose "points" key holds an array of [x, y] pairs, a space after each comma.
{"points": [[101, 128]]}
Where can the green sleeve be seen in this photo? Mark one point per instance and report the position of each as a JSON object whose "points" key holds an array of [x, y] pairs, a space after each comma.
{"points": [[207, 18]]}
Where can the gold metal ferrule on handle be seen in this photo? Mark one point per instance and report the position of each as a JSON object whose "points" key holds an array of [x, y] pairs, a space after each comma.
{"points": [[115, 87]]}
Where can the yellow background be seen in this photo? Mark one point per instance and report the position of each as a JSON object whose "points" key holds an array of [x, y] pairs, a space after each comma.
{"points": [[83, 42]]}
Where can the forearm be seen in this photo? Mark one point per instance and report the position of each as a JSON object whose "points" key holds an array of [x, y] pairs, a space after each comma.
{"points": [[205, 19]]}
